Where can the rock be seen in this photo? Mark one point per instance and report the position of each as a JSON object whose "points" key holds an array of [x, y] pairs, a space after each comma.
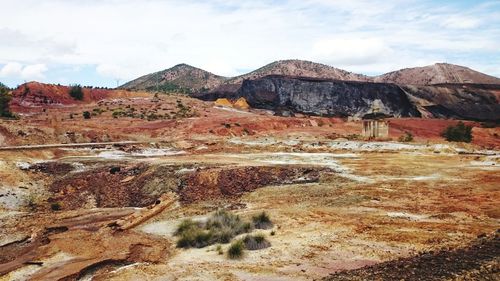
{"points": [[326, 97]]}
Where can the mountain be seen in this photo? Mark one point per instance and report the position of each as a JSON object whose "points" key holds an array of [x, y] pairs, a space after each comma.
{"points": [[327, 97], [205, 85], [180, 78], [299, 68], [330, 97], [188, 79], [439, 73]]}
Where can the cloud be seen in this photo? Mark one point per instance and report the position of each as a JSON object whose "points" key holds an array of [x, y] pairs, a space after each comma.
{"points": [[128, 38], [461, 22], [27, 72], [11, 69], [350, 51]]}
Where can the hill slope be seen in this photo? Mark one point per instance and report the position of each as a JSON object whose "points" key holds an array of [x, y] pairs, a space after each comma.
{"points": [[180, 78], [439, 73], [299, 68]]}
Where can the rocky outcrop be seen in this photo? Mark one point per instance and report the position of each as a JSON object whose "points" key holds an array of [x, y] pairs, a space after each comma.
{"points": [[327, 97], [460, 101]]}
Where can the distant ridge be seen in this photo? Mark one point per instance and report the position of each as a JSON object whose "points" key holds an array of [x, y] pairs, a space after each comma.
{"points": [[181, 78], [439, 73], [188, 79]]}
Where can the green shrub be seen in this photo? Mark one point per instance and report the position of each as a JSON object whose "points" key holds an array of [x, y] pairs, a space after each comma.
{"points": [[458, 133], [186, 225], [262, 221], [76, 92], [256, 242], [221, 227], [55, 206], [219, 250], [407, 137], [4, 102], [86, 115], [236, 249], [117, 113]]}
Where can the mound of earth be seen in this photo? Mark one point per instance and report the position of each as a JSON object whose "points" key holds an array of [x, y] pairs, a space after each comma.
{"points": [[478, 261]]}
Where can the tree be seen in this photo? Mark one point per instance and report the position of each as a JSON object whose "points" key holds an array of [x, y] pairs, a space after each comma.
{"points": [[4, 102], [86, 115], [458, 133], [76, 92]]}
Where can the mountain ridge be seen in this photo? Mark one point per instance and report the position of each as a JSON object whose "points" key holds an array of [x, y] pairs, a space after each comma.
{"points": [[189, 79]]}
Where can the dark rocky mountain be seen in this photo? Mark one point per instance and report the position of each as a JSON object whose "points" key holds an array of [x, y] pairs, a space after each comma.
{"points": [[436, 74], [327, 97], [180, 78], [460, 101], [348, 98]]}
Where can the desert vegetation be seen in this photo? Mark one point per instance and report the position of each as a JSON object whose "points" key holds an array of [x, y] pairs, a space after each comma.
{"points": [[406, 137], [76, 92], [220, 227], [458, 133], [262, 221], [4, 102]]}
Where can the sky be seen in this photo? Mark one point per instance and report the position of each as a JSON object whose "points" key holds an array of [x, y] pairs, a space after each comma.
{"points": [[109, 42]]}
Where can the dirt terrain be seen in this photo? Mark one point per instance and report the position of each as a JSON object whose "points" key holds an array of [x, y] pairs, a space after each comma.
{"points": [[340, 205]]}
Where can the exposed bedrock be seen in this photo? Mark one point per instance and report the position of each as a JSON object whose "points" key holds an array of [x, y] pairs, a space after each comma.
{"points": [[350, 98], [327, 97], [141, 185]]}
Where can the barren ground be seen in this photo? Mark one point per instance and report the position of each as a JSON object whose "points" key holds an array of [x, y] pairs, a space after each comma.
{"points": [[338, 205]]}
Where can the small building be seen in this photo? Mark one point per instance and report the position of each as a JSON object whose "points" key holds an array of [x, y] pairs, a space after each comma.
{"points": [[375, 125]]}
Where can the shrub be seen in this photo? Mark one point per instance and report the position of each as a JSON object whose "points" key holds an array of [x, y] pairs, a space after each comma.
{"points": [[55, 206], [4, 102], [86, 115], [114, 170], [221, 227], [219, 250], [76, 92], [458, 133], [186, 225], [117, 113], [236, 249], [407, 137], [256, 242], [262, 221]]}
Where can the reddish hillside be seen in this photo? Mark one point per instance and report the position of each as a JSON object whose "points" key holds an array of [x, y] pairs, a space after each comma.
{"points": [[34, 94]]}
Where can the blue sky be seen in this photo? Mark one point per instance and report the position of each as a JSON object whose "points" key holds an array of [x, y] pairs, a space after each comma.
{"points": [[99, 42]]}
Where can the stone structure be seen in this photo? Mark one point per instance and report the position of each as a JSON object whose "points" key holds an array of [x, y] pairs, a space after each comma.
{"points": [[374, 128], [374, 124]]}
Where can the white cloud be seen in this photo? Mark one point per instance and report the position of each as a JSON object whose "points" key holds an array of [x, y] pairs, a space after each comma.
{"points": [[461, 22], [34, 72], [11, 69], [128, 38], [350, 51], [27, 72]]}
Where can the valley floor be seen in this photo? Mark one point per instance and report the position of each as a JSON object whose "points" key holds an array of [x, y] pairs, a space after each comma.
{"points": [[359, 210]]}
